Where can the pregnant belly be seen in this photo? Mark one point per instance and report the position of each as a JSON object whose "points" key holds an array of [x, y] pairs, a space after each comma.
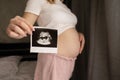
{"points": [[68, 43]]}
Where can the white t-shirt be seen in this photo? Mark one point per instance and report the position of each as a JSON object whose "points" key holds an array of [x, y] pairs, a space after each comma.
{"points": [[56, 15]]}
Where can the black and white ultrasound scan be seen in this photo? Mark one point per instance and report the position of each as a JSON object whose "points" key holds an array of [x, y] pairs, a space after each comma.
{"points": [[44, 40]]}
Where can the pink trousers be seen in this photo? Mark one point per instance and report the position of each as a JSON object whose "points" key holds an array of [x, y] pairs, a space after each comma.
{"points": [[53, 67]]}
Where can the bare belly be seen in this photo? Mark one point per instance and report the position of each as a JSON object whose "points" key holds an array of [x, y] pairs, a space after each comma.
{"points": [[68, 43]]}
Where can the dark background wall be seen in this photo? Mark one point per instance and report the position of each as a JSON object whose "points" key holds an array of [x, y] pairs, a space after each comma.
{"points": [[9, 9]]}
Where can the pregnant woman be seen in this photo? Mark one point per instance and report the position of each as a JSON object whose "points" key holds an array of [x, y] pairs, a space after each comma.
{"points": [[51, 14]]}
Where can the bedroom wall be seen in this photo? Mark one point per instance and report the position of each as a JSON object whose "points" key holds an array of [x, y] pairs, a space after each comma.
{"points": [[9, 9]]}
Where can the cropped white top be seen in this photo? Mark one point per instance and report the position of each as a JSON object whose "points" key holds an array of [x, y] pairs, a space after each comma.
{"points": [[56, 16]]}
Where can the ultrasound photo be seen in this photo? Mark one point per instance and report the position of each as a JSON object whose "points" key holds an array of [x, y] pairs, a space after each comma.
{"points": [[44, 40]]}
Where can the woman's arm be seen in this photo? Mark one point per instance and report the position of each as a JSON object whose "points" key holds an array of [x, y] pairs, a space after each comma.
{"points": [[19, 27], [30, 17]]}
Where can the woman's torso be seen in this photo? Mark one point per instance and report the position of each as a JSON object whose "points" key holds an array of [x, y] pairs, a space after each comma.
{"points": [[54, 15]]}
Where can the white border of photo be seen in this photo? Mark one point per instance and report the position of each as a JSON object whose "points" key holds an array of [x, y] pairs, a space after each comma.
{"points": [[35, 49]]}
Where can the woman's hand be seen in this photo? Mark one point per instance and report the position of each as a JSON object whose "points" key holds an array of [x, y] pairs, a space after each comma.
{"points": [[19, 28], [82, 42]]}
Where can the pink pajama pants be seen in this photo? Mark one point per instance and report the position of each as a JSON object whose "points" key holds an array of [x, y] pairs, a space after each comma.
{"points": [[53, 67]]}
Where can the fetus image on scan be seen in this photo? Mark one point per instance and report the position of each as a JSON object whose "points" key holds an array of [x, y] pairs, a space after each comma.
{"points": [[44, 38]]}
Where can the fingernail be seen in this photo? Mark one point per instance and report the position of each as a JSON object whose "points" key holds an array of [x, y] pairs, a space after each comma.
{"points": [[33, 29]]}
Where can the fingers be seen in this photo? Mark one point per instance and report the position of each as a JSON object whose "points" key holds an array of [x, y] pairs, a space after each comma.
{"points": [[13, 34], [82, 42], [22, 23], [19, 28]]}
